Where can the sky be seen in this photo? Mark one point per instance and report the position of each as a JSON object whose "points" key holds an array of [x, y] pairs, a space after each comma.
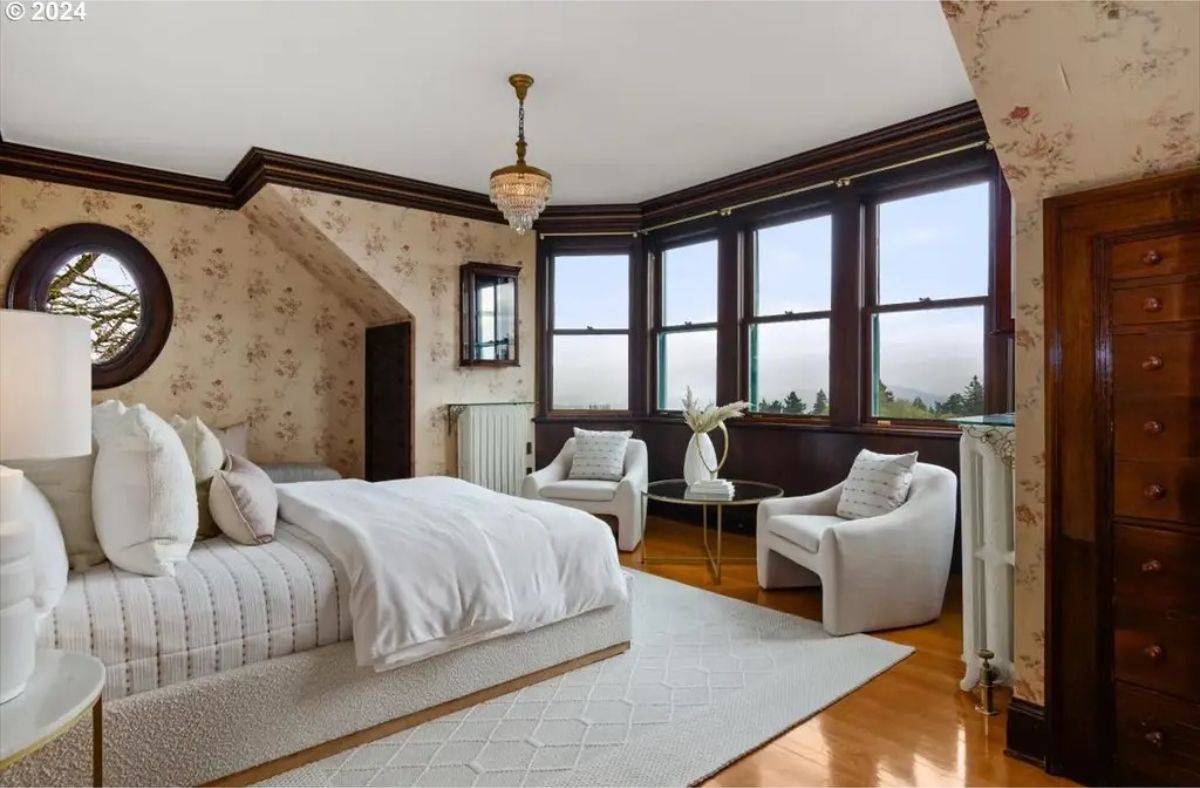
{"points": [[931, 246]]}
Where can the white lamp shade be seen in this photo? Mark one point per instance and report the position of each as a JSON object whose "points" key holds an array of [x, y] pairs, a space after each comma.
{"points": [[45, 385]]}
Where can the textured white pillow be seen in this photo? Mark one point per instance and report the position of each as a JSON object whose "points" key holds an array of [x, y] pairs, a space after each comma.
{"points": [[599, 455], [67, 485], [877, 484], [234, 439], [50, 565], [143, 496], [206, 456]]}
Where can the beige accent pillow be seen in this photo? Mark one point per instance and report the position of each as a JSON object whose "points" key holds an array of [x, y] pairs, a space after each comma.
{"points": [[67, 485], [243, 501], [206, 456]]}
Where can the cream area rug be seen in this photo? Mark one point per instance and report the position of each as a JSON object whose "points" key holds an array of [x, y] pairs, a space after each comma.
{"points": [[707, 679]]}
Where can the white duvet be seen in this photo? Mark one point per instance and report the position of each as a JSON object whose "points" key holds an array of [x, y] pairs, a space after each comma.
{"points": [[438, 563]]}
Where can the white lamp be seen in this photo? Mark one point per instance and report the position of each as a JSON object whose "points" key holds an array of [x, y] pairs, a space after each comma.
{"points": [[45, 413]]}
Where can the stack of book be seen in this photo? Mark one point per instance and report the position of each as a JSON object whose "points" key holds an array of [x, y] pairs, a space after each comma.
{"points": [[710, 490]]}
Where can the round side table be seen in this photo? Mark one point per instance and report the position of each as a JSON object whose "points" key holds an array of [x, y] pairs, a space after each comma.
{"points": [[745, 493], [63, 687]]}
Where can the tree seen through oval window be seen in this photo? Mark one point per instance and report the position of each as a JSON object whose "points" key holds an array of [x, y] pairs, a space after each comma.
{"points": [[97, 286]]}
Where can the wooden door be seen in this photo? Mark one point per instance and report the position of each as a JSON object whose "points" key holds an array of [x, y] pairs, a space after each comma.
{"points": [[389, 402]]}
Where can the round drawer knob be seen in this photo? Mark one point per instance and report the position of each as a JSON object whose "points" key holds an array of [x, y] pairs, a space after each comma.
{"points": [[1152, 257], [1155, 491], [1154, 652], [1153, 565], [1151, 363], [1152, 427], [1156, 739], [1152, 304]]}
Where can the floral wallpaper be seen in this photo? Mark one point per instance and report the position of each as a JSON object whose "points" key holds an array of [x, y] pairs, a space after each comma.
{"points": [[1075, 95], [398, 263], [256, 337]]}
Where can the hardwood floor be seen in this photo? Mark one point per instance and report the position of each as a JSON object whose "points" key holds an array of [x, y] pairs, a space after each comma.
{"points": [[909, 726]]}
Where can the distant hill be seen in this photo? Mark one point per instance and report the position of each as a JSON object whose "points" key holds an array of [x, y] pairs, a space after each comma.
{"points": [[928, 397]]}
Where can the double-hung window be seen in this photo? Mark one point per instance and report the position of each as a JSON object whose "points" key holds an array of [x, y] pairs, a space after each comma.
{"points": [[686, 325], [927, 304], [788, 317], [589, 332]]}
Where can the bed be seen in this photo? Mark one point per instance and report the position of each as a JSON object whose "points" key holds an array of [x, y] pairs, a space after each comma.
{"points": [[234, 668]]}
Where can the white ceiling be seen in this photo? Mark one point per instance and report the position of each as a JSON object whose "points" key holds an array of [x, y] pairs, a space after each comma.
{"points": [[632, 99]]}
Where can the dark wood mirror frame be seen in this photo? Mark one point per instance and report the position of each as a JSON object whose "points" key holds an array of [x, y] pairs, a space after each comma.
{"points": [[29, 285], [468, 274]]}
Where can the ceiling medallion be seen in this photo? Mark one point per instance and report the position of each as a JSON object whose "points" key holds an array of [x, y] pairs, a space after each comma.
{"points": [[519, 190]]}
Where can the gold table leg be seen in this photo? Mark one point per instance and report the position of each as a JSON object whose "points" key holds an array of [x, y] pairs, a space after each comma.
{"points": [[98, 743]]}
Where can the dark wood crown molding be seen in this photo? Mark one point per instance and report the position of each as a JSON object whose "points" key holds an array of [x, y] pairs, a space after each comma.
{"points": [[25, 161], [607, 218], [938, 131], [958, 125], [260, 167]]}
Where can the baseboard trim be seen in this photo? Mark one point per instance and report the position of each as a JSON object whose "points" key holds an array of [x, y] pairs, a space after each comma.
{"points": [[1026, 732]]}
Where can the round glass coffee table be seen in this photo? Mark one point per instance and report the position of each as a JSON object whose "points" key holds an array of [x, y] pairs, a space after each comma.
{"points": [[745, 493]]}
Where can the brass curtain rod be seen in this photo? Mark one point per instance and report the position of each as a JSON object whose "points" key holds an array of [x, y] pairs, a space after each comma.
{"points": [[839, 182]]}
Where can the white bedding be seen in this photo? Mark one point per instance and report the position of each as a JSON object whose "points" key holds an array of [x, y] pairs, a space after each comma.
{"points": [[227, 606], [436, 563]]}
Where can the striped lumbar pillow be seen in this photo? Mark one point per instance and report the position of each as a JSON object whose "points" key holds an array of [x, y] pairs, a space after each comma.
{"points": [[877, 484], [599, 455]]}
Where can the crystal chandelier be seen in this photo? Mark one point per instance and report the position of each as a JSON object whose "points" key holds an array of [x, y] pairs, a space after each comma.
{"points": [[519, 190]]}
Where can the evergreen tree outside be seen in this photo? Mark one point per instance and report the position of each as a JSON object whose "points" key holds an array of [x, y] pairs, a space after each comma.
{"points": [[821, 404]]}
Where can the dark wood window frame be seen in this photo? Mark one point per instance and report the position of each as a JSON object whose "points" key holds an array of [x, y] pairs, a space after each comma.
{"points": [[548, 250], [851, 208], [659, 331], [749, 240], [872, 307]]}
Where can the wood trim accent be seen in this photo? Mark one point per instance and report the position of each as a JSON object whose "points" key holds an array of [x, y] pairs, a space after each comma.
{"points": [[1026, 732], [25, 161], [960, 124], [606, 218], [946, 128], [260, 167], [270, 769]]}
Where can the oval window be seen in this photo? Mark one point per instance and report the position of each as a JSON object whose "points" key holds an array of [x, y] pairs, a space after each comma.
{"points": [[110, 278]]}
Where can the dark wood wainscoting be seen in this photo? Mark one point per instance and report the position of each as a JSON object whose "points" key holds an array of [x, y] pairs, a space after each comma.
{"points": [[800, 459]]}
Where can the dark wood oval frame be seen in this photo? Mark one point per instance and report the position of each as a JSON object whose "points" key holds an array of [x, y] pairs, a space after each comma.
{"points": [[29, 285]]}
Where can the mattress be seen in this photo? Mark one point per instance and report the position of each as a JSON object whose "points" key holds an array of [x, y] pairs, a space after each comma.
{"points": [[228, 605]]}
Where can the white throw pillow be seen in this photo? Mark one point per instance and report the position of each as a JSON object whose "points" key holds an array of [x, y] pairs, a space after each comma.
{"points": [[234, 439], [877, 484], [599, 455], [67, 485], [206, 456], [143, 496], [50, 565]]}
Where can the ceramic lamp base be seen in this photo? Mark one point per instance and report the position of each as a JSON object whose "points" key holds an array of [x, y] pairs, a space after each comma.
{"points": [[18, 632]]}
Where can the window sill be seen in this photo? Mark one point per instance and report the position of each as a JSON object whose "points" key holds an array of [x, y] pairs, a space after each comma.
{"points": [[949, 432]]}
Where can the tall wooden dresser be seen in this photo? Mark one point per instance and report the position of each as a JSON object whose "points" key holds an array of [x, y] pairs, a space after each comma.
{"points": [[1123, 457]]}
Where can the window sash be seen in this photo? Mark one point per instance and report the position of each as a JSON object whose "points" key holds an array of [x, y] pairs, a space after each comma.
{"points": [[871, 348], [751, 360]]}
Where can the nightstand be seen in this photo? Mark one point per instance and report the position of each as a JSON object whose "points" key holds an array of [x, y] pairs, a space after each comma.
{"points": [[63, 687]]}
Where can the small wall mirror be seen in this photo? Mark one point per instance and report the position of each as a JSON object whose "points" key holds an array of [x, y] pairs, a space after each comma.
{"points": [[489, 315]]}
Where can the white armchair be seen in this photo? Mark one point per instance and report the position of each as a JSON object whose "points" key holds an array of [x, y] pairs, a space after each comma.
{"points": [[621, 499], [875, 572]]}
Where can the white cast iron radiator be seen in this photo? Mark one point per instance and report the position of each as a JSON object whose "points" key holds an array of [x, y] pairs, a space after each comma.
{"points": [[495, 444]]}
